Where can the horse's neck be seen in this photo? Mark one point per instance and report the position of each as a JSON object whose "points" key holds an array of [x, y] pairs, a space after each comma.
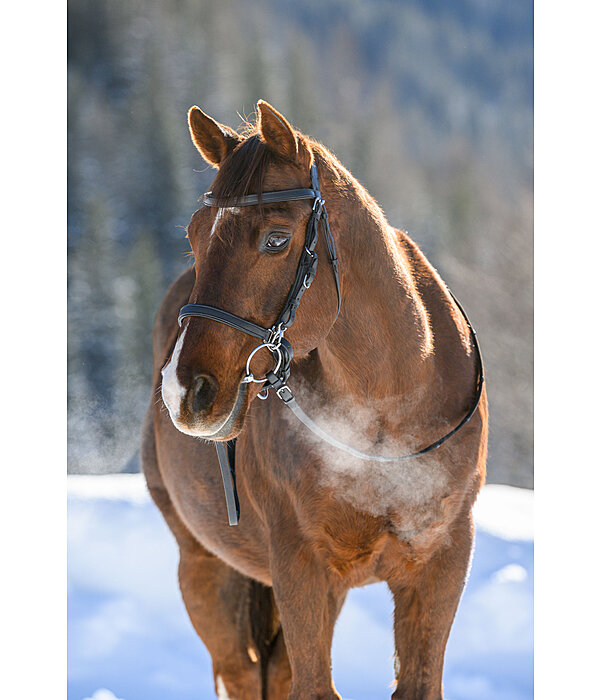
{"points": [[382, 340], [381, 347]]}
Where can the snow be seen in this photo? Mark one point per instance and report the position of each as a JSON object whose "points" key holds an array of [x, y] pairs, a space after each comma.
{"points": [[130, 637], [505, 511]]}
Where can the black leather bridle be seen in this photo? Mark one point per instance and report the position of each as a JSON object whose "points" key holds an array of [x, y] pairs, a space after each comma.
{"points": [[307, 265], [273, 338]]}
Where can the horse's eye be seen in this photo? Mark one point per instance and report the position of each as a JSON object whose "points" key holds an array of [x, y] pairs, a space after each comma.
{"points": [[276, 242]]}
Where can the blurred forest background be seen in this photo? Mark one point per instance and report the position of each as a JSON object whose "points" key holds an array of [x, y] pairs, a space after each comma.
{"points": [[428, 103]]}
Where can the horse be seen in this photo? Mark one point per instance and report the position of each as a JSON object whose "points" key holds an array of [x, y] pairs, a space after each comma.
{"points": [[384, 362]]}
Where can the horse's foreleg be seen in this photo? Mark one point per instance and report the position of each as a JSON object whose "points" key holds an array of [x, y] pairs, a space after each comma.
{"points": [[218, 600], [309, 601], [425, 606], [279, 674]]}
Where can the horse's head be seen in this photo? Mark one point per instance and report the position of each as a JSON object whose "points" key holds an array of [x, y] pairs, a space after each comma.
{"points": [[246, 260]]}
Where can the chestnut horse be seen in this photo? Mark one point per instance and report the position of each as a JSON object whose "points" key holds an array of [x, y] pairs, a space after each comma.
{"points": [[392, 372]]}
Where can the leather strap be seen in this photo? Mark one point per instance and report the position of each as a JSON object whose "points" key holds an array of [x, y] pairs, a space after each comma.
{"points": [[226, 455], [209, 200], [290, 401], [241, 324], [307, 264], [332, 259], [286, 395]]}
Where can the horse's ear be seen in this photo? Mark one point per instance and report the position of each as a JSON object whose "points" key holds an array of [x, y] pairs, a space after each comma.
{"points": [[276, 131], [214, 141]]}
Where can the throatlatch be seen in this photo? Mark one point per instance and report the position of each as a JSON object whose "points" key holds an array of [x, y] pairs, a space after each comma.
{"points": [[273, 338]]}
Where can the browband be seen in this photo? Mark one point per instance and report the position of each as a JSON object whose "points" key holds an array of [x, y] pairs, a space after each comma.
{"points": [[209, 200], [307, 265]]}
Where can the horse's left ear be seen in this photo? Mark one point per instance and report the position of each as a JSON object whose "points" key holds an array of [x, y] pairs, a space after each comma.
{"points": [[276, 131]]}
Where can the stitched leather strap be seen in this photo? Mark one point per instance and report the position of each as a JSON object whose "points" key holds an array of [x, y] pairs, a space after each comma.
{"points": [[209, 200], [307, 265], [241, 324]]}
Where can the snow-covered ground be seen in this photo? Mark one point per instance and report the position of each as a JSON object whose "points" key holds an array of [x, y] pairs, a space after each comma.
{"points": [[130, 637]]}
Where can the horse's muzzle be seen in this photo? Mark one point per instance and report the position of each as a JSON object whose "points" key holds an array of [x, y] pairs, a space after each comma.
{"points": [[201, 410]]}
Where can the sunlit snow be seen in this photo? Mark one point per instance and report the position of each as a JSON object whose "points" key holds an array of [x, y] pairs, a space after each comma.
{"points": [[130, 637]]}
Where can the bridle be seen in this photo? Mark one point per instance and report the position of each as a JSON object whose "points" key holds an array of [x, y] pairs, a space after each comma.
{"points": [[273, 338]]}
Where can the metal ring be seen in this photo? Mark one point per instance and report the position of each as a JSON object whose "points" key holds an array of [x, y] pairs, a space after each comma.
{"points": [[277, 334], [274, 349]]}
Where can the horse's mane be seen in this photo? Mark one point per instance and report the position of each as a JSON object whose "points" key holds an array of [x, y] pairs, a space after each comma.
{"points": [[243, 171]]}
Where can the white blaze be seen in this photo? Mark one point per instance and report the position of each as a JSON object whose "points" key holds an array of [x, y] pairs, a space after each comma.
{"points": [[216, 221], [221, 690], [220, 212], [172, 391]]}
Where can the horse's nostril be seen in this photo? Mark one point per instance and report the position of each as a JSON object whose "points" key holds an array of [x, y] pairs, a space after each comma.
{"points": [[204, 392]]}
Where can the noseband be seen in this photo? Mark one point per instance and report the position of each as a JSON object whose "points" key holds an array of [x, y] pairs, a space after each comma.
{"points": [[273, 338]]}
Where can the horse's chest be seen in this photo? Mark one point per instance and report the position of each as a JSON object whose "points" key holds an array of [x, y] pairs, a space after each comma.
{"points": [[407, 489], [360, 545], [353, 553]]}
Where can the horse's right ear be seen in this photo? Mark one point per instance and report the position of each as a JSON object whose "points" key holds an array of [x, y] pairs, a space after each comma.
{"points": [[214, 141]]}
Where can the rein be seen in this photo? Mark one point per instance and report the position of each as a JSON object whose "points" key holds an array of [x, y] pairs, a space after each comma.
{"points": [[273, 338]]}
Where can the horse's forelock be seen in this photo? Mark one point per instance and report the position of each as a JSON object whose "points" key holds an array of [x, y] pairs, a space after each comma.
{"points": [[243, 171]]}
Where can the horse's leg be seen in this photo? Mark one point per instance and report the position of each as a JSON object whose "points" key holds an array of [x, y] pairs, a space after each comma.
{"points": [[279, 673], [236, 619], [220, 601], [309, 599], [424, 612]]}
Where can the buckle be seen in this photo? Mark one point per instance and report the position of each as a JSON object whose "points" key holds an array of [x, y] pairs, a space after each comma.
{"points": [[312, 271], [276, 335], [318, 206], [285, 393]]}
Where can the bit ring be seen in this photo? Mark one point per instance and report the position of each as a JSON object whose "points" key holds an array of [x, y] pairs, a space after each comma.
{"points": [[274, 349]]}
